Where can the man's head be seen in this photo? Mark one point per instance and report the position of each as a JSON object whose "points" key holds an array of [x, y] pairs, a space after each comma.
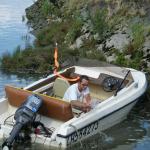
{"points": [[83, 82]]}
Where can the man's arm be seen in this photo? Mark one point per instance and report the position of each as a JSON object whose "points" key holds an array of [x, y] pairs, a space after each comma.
{"points": [[79, 105], [87, 99]]}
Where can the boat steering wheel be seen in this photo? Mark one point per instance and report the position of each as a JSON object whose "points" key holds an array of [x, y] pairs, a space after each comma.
{"points": [[110, 83]]}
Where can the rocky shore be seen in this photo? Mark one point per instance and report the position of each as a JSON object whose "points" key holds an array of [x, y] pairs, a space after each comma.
{"points": [[116, 31], [127, 15]]}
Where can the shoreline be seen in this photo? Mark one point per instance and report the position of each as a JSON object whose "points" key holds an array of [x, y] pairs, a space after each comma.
{"points": [[78, 37]]}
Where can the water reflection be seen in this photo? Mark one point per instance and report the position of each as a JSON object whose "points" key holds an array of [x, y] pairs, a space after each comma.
{"points": [[15, 80], [125, 134]]}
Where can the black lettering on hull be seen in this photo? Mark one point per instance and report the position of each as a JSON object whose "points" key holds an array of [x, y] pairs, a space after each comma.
{"points": [[82, 133]]}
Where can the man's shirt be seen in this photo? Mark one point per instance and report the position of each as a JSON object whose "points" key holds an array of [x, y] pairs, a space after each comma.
{"points": [[73, 93]]}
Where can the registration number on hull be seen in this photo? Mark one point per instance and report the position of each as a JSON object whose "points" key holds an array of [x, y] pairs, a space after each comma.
{"points": [[82, 133]]}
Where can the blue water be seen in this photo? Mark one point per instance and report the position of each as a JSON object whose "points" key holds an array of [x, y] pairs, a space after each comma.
{"points": [[12, 28], [14, 80], [131, 134], [13, 31]]}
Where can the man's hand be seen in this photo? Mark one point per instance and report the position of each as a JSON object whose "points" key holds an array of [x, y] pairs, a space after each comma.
{"points": [[86, 107], [82, 106]]}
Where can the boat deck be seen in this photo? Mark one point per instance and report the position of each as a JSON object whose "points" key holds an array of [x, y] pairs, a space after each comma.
{"points": [[97, 92]]}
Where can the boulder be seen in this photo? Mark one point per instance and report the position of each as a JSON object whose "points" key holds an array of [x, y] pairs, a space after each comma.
{"points": [[146, 46], [111, 58], [118, 41]]}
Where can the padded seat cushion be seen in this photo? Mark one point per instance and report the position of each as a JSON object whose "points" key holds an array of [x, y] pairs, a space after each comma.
{"points": [[60, 86], [51, 107]]}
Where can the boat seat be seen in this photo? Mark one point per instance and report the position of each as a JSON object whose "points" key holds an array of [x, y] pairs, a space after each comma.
{"points": [[60, 86], [51, 107]]}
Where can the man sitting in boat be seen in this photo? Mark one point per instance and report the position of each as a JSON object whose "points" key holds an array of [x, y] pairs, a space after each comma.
{"points": [[78, 94]]}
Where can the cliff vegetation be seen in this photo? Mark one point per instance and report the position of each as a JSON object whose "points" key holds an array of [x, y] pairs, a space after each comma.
{"points": [[116, 31]]}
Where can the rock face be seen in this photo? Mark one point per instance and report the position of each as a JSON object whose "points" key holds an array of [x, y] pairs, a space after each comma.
{"points": [[118, 41], [123, 13], [36, 19]]}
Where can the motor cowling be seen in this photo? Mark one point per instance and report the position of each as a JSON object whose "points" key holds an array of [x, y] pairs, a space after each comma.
{"points": [[24, 115]]}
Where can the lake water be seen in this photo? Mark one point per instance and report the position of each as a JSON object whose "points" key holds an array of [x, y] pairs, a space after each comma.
{"points": [[131, 134], [12, 29]]}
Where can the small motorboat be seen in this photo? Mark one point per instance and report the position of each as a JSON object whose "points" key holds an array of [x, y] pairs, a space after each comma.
{"points": [[116, 88]]}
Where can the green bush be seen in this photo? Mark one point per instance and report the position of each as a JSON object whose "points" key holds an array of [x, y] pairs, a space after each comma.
{"points": [[95, 54], [138, 35], [47, 8], [50, 8], [54, 33], [120, 60], [74, 30], [100, 24], [134, 62], [32, 60]]}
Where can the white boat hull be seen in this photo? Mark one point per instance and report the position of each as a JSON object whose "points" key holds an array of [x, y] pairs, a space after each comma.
{"points": [[106, 114], [97, 126]]}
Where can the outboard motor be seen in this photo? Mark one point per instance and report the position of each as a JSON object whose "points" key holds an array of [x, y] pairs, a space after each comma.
{"points": [[24, 115]]}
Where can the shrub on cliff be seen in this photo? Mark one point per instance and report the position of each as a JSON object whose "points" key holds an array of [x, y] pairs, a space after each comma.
{"points": [[100, 24], [29, 60], [51, 34]]}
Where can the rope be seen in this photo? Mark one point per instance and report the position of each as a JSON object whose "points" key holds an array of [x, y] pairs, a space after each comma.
{"points": [[56, 63], [68, 79], [76, 130]]}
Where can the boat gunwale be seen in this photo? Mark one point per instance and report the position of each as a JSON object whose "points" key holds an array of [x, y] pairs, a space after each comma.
{"points": [[65, 136], [141, 89]]}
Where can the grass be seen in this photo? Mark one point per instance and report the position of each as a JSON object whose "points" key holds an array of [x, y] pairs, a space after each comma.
{"points": [[138, 35], [134, 62], [133, 49], [75, 29], [47, 8], [99, 23]]}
